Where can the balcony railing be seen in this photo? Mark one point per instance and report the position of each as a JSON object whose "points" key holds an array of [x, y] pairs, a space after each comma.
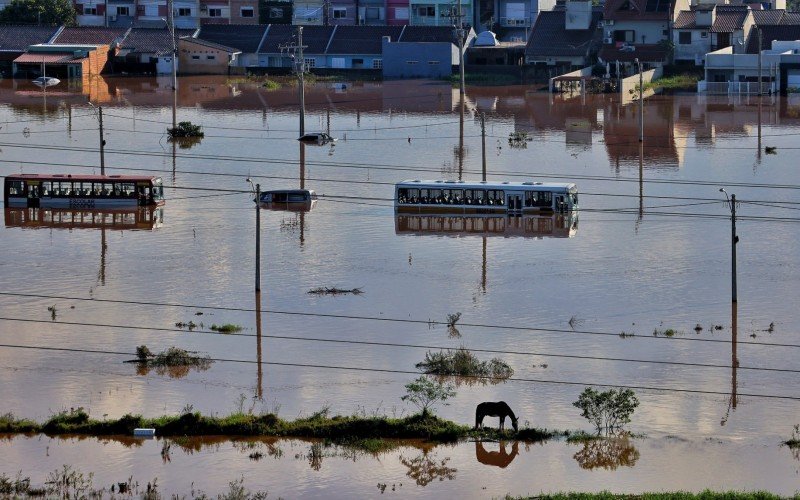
{"points": [[747, 88]]}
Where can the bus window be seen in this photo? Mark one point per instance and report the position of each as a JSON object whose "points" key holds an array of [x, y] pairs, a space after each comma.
{"points": [[402, 195], [128, 189], [544, 199], [15, 188], [530, 198], [495, 197]]}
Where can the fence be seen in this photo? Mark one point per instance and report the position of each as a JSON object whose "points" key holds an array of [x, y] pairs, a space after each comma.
{"points": [[749, 88]]}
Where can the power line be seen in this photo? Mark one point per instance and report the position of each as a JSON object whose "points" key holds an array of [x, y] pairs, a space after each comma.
{"points": [[409, 372], [383, 319], [394, 344], [546, 175]]}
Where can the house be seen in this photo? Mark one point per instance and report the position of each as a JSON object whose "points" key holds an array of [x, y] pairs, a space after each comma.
{"points": [[638, 29], [244, 38], [359, 47], [422, 52], [709, 27], [398, 12], [357, 12], [309, 12], [149, 50], [778, 69], [201, 57], [511, 20], [567, 37], [440, 12], [275, 12], [61, 60], [15, 40], [274, 53]]}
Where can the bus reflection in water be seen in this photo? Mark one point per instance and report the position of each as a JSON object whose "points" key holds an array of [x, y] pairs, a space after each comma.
{"points": [[562, 225], [133, 218]]}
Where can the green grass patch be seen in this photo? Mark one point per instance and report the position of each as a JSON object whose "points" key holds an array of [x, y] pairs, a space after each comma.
{"points": [[676, 82], [227, 328], [371, 434]]}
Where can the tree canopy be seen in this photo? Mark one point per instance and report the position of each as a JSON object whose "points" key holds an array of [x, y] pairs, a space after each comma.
{"points": [[43, 12]]}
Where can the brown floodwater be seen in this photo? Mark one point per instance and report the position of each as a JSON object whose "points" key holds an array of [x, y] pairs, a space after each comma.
{"points": [[649, 250]]}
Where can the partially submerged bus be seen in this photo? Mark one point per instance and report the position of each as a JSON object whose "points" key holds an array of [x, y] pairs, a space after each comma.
{"points": [[462, 197], [82, 191]]}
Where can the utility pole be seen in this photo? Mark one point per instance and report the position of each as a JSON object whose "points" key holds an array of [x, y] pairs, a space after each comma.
{"points": [[295, 50], [171, 18], [102, 142], [641, 100], [483, 148], [759, 61], [734, 241], [458, 23]]}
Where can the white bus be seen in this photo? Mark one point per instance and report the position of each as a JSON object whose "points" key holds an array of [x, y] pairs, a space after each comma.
{"points": [[462, 197]]}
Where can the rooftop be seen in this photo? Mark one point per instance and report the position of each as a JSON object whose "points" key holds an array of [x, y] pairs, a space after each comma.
{"points": [[549, 36]]}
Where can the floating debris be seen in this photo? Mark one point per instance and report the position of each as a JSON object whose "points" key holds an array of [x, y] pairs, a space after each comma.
{"points": [[335, 291]]}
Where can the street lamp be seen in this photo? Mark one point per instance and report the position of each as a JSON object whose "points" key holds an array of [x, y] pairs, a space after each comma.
{"points": [[734, 240]]}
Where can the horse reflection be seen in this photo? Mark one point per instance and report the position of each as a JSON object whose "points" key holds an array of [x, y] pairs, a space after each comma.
{"points": [[497, 458]]}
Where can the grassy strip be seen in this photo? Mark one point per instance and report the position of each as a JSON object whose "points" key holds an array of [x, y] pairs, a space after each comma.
{"points": [[361, 432], [677, 82], [672, 495]]}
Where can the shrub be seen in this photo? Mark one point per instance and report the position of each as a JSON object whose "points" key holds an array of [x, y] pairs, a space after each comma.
{"points": [[462, 362], [186, 129], [609, 410], [424, 393]]}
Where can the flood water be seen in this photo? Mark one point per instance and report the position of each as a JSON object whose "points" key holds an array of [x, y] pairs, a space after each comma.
{"points": [[649, 250]]}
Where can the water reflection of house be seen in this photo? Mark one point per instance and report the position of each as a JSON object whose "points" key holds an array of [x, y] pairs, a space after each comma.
{"points": [[537, 113], [621, 135]]}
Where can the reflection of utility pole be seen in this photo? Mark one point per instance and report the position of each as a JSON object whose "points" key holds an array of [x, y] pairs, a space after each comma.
{"points": [[171, 13], [483, 267], [758, 152], [259, 380], [641, 181], [734, 358], [734, 241], [295, 50], [461, 139], [101, 274]]}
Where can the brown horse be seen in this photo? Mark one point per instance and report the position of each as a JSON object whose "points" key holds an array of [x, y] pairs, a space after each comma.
{"points": [[495, 409]]}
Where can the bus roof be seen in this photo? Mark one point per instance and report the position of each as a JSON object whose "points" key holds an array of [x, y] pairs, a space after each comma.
{"points": [[449, 184], [83, 177]]}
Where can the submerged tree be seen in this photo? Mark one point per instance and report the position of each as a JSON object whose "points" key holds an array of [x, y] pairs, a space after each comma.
{"points": [[424, 393]]}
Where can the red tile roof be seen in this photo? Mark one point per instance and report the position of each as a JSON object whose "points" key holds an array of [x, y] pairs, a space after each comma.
{"points": [[47, 58]]}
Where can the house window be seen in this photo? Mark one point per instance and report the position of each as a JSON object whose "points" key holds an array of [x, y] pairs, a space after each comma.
{"points": [[183, 12], [377, 64], [401, 13], [275, 12], [90, 11], [339, 12], [211, 58], [704, 34], [123, 11], [373, 13], [684, 37], [433, 62], [196, 58], [248, 12], [626, 36], [429, 11], [215, 12], [310, 62], [412, 62]]}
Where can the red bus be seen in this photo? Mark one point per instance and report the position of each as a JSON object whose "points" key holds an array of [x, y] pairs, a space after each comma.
{"points": [[82, 191]]}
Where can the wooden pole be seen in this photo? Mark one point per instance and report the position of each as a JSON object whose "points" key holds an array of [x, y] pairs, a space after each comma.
{"points": [[102, 142]]}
